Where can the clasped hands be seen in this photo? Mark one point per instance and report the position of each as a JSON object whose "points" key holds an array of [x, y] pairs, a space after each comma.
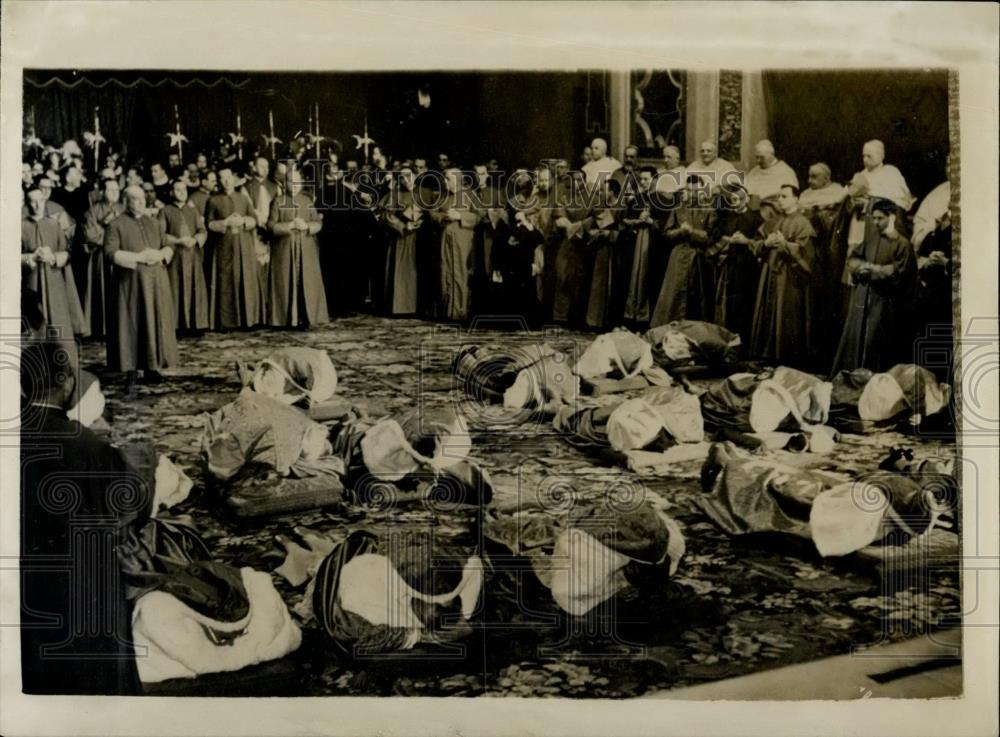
{"points": [[238, 221]]}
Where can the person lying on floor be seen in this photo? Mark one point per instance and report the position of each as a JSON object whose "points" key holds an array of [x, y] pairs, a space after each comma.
{"points": [[374, 594], [840, 512]]}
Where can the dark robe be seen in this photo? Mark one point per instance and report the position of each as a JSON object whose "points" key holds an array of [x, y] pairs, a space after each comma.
{"points": [[934, 293], [335, 253], [572, 272], [78, 499], [187, 268], [76, 204], [737, 272], [144, 332], [297, 293], [457, 254], [781, 326], [548, 205], [236, 299], [403, 218], [641, 260], [515, 251], [688, 289], [601, 237], [54, 285], [488, 202], [877, 333], [97, 303], [829, 290]]}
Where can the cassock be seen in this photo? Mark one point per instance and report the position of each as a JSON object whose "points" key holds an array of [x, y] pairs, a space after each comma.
{"points": [[199, 198], [517, 255], [297, 293], [187, 268], [545, 220], [934, 297], [144, 332], [97, 304], [782, 317], [75, 618], [262, 193], [572, 272], [404, 218], [831, 219], [457, 253], [762, 183], [601, 237], [236, 299], [687, 292], [492, 216], [877, 330], [54, 285], [737, 271], [642, 259], [76, 203], [57, 212]]}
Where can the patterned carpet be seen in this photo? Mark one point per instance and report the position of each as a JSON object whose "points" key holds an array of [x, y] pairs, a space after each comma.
{"points": [[735, 606]]}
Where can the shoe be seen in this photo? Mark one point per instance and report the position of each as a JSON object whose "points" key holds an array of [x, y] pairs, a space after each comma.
{"points": [[153, 377], [131, 383]]}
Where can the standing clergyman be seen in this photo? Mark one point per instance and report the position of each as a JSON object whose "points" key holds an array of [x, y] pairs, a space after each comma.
{"points": [[143, 337]]}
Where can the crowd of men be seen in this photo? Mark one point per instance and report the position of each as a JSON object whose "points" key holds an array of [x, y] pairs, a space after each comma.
{"points": [[825, 278]]}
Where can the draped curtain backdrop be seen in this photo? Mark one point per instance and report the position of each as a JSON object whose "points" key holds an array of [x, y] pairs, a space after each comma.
{"points": [[827, 116], [518, 117]]}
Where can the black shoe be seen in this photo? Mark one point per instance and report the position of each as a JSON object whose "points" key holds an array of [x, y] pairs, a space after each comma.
{"points": [[153, 377], [131, 383]]}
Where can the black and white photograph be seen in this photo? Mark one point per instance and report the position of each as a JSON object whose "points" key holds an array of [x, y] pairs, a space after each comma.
{"points": [[606, 384]]}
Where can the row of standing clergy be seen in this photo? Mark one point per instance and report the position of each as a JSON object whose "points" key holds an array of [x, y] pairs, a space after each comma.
{"points": [[148, 274]]}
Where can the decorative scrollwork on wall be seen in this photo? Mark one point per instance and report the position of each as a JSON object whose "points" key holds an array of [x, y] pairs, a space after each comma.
{"points": [[657, 110]]}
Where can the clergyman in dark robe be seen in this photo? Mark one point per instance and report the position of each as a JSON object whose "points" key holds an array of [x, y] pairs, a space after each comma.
{"points": [[877, 333], [79, 497], [781, 325]]}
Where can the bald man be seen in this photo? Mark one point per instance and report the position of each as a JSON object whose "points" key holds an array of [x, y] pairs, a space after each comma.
{"points": [[821, 192], [709, 165], [769, 175], [602, 165], [673, 176], [880, 181]]}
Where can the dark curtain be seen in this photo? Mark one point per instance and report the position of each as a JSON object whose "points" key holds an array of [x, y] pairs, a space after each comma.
{"points": [[518, 117], [827, 116]]}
